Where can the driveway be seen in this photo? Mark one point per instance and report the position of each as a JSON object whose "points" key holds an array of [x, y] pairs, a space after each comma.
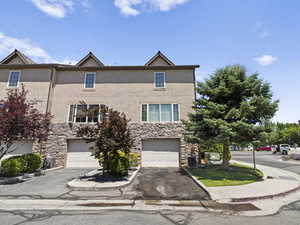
{"points": [[51, 185], [165, 183]]}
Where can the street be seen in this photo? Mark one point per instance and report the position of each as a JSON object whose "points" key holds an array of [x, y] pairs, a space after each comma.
{"points": [[267, 159]]}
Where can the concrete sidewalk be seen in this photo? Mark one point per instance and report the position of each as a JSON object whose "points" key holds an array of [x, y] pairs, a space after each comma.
{"points": [[280, 182]]}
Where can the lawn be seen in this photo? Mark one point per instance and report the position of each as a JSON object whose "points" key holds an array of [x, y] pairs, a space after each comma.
{"points": [[237, 174]]}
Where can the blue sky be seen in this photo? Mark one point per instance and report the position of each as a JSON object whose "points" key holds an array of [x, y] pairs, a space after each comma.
{"points": [[263, 35]]}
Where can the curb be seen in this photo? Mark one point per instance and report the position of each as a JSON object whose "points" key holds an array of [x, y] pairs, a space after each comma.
{"points": [[99, 188], [212, 196], [247, 199], [140, 205]]}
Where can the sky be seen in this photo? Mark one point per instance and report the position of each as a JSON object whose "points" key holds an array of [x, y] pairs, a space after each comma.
{"points": [[262, 35]]}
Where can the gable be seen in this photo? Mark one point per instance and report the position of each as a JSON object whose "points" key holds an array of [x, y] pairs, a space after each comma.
{"points": [[16, 57], [14, 60], [159, 60], [90, 60]]}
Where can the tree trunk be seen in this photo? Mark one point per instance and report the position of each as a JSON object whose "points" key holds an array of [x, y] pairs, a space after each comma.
{"points": [[225, 155]]}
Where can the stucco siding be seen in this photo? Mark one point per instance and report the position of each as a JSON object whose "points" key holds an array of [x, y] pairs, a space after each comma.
{"points": [[122, 90], [36, 81]]}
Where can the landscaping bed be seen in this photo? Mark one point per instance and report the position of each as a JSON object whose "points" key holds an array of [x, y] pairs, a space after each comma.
{"points": [[216, 175], [94, 181]]}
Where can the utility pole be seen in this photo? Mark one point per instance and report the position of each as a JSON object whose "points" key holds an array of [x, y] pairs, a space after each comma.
{"points": [[254, 162]]}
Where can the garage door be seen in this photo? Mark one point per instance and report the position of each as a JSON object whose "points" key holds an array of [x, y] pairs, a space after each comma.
{"points": [[160, 153], [79, 155], [20, 148]]}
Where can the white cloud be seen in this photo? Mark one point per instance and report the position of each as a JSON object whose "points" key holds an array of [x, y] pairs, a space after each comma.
{"points": [[126, 6], [265, 60], [135, 7], [8, 44], [54, 8]]}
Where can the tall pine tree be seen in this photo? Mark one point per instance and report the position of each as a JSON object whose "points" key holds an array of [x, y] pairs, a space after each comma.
{"points": [[230, 107]]}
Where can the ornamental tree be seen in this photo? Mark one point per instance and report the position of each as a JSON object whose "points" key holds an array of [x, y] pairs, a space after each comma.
{"points": [[20, 121], [230, 109], [112, 141]]}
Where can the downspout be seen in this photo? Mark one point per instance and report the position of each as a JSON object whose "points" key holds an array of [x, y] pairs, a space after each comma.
{"points": [[50, 90]]}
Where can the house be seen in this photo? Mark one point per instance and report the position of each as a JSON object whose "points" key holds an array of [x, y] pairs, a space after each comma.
{"points": [[155, 97]]}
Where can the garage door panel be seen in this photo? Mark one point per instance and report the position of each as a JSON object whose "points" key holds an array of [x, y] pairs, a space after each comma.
{"points": [[160, 153], [79, 155]]}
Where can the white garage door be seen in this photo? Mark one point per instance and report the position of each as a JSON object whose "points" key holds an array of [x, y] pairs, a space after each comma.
{"points": [[160, 153], [79, 155], [19, 148]]}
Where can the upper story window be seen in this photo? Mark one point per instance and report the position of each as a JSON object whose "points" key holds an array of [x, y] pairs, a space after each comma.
{"points": [[14, 78], [159, 80], [89, 80], [160, 112], [81, 113]]}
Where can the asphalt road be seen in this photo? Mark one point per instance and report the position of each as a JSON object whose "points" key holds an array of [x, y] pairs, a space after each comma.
{"points": [[267, 159], [289, 215]]}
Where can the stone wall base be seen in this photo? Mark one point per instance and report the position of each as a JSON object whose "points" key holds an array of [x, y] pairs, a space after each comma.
{"points": [[56, 146]]}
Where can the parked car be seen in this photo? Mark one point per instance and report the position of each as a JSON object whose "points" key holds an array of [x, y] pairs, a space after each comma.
{"points": [[264, 148], [284, 149]]}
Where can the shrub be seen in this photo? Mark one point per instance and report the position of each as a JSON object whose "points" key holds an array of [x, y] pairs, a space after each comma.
{"points": [[12, 167], [32, 162], [134, 159], [15, 165], [118, 164]]}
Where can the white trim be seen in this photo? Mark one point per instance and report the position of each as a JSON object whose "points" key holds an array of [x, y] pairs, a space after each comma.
{"points": [[164, 73], [69, 114], [84, 85], [10, 72]]}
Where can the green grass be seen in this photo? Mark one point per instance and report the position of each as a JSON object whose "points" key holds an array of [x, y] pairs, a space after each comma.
{"points": [[237, 174]]}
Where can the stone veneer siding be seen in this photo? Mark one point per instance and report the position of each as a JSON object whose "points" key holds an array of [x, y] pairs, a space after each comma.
{"points": [[56, 146]]}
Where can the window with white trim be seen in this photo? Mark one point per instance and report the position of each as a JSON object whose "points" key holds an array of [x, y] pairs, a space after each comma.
{"points": [[160, 113], [159, 80], [81, 113], [14, 78], [89, 80]]}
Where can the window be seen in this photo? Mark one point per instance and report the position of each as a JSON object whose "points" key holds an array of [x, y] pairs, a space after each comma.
{"points": [[13, 80], [89, 80], [160, 113], [166, 112], [159, 80], [153, 112], [84, 113]]}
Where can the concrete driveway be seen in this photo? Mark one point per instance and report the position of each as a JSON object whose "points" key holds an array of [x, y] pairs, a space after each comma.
{"points": [[165, 183]]}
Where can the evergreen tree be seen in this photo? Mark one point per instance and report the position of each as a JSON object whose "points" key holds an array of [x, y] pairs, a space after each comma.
{"points": [[230, 108]]}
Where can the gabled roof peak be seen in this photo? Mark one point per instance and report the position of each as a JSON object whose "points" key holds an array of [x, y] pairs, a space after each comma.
{"points": [[160, 55], [16, 53], [90, 55]]}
